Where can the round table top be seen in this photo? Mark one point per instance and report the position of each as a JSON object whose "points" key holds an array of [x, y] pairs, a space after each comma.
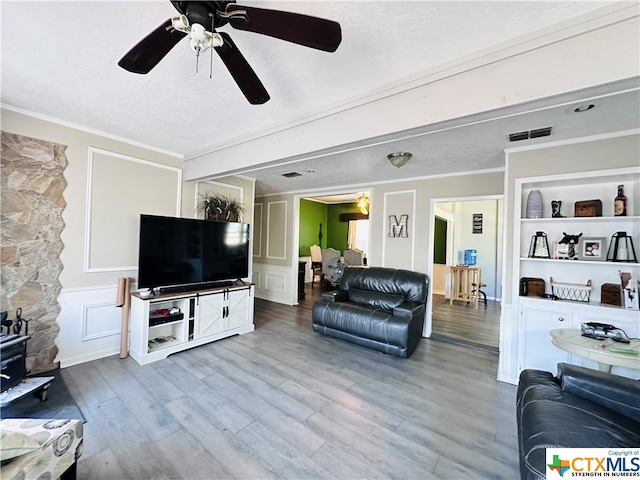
{"points": [[571, 340]]}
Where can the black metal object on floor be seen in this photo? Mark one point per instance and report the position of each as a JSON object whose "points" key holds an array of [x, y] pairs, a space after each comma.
{"points": [[13, 358]]}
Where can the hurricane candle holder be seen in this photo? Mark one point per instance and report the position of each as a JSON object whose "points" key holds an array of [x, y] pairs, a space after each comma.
{"points": [[621, 249], [539, 247]]}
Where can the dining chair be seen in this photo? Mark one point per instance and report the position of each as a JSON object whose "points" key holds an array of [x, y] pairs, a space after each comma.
{"points": [[354, 256], [316, 263]]}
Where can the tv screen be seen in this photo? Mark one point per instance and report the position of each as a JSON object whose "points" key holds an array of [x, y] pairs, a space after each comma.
{"points": [[179, 251]]}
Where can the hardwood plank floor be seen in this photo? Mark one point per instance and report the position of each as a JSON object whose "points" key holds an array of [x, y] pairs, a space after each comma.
{"points": [[285, 402], [464, 324]]}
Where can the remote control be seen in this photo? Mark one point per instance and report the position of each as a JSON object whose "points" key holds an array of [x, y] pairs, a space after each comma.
{"points": [[622, 350]]}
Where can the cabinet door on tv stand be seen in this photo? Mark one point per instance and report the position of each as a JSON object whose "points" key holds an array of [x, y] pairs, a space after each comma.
{"points": [[208, 319], [237, 309]]}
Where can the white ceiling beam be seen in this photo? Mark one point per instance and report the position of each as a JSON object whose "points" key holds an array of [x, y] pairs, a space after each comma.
{"points": [[601, 49]]}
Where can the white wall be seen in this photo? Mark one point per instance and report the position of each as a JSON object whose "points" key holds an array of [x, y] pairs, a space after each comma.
{"points": [[120, 188], [414, 252], [414, 199], [275, 250], [487, 244], [439, 280], [109, 184]]}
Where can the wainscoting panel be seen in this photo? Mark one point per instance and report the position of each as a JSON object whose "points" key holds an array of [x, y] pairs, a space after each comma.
{"points": [[119, 189], [399, 237], [257, 230], [257, 278], [277, 230], [96, 320], [90, 324], [274, 283]]}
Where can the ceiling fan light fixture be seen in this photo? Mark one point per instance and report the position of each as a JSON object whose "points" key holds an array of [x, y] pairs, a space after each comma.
{"points": [[180, 22], [197, 37], [399, 159]]}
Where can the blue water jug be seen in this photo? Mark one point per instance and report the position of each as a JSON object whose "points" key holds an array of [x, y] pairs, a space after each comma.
{"points": [[470, 257]]}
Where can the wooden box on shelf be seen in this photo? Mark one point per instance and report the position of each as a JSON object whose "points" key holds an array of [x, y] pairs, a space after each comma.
{"points": [[588, 208], [611, 294], [532, 287]]}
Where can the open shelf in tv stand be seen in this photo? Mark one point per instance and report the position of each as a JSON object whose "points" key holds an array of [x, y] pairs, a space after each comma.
{"points": [[208, 315]]}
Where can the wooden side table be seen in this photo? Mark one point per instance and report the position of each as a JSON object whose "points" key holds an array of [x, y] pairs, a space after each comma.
{"points": [[465, 284]]}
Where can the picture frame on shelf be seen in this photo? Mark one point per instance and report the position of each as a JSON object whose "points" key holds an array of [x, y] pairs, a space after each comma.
{"points": [[592, 248]]}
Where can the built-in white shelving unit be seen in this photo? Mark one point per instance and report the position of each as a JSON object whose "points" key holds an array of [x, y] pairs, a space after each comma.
{"points": [[538, 316]]}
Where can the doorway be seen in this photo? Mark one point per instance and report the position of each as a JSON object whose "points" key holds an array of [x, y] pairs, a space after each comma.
{"points": [[330, 220], [467, 225]]}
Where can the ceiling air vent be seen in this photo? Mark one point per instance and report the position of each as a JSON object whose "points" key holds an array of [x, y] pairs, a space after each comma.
{"points": [[516, 137], [292, 174], [540, 132], [537, 133]]}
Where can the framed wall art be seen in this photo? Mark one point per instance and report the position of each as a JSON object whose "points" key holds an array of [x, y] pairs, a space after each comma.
{"points": [[477, 223], [592, 248]]}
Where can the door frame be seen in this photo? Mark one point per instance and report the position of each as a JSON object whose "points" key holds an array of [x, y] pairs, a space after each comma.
{"points": [[295, 242], [428, 320]]}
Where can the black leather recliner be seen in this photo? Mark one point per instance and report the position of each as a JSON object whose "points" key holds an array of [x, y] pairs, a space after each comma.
{"points": [[580, 408], [379, 308]]}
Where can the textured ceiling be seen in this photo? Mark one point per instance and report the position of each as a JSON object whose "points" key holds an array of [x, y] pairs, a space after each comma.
{"points": [[464, 145], [59, 61]]}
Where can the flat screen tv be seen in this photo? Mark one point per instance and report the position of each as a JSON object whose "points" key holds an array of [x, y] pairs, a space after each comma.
{"points": [[184, 251]]}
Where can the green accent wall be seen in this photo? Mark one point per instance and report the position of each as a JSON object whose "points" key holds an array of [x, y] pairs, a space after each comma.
{"points": [[440, 241], [334, 232], [338, 231], [312, 214]]}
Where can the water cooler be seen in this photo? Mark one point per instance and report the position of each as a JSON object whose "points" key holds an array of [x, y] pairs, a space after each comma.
{"points": [[470, 257]]}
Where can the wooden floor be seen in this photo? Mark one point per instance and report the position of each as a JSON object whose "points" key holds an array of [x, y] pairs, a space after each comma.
{"points": [[463, 323], [285, 402]]}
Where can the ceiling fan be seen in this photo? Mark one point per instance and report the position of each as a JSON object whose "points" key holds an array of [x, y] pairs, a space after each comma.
{"points": [[199, 20]]}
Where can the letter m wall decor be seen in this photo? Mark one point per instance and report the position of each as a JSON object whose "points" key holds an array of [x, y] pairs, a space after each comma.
{"points": [[398, 229]]}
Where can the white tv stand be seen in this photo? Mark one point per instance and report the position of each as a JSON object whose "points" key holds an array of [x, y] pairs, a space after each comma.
{"points": [[204, 316]]}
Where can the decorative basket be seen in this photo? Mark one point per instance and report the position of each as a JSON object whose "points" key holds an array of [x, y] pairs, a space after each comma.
{"points": [[571, 291]]}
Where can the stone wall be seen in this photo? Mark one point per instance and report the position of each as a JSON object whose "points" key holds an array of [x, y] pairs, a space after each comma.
{"points": [[31, 223]]}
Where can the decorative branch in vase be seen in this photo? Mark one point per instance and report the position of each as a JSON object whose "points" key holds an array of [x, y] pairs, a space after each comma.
{"points": [[219, 207]]}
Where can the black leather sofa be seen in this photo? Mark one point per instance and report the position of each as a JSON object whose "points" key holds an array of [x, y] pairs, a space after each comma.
{"points": [[579, 408], [379, 308]]}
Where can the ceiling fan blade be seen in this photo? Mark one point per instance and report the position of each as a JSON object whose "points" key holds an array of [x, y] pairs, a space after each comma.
{"points": [[151, 49], [293, 27], [242, 72]]}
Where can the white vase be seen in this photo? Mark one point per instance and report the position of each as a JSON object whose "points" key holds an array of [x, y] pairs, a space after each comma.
{"points": [[534, 204]]}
